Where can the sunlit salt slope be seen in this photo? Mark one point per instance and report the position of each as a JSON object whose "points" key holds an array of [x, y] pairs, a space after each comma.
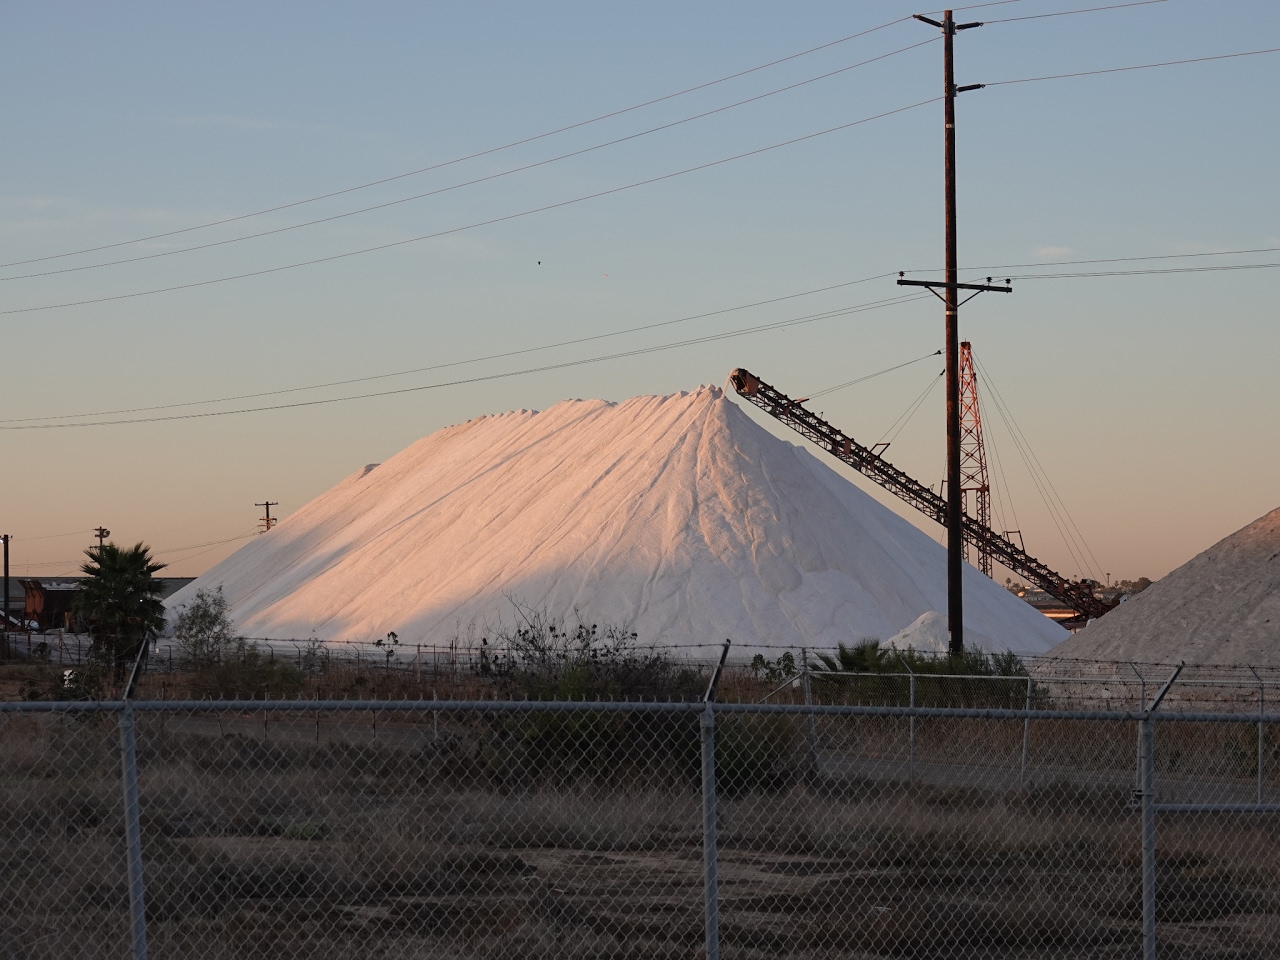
{"points": [[678, 516]]}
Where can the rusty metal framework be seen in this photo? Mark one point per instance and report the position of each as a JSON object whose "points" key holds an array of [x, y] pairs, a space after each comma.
{"points": [[1077, 594], [975, 487]]}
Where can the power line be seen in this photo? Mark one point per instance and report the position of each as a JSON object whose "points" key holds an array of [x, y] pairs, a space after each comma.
{"points": [[194, 546], [1140, 66], [455, 363], [665, 323], [482, 223], [1068, 13], [1159, 256], [602, 193], [468, 183], [470, 156], [777, 325], [1150, 272], [53, 536], [211, 544]]}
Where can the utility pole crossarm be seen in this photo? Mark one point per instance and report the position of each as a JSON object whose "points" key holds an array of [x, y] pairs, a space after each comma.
{"points": [[987, 287]]}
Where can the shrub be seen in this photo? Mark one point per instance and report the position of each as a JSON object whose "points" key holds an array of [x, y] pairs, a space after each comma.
{"points": [[883, 674], [245, 672], [203, 631], [544, 659]]}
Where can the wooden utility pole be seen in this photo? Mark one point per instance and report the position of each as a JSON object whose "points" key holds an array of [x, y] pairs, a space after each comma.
{"points": [[101, 533], [952, 287], [267, 521]]}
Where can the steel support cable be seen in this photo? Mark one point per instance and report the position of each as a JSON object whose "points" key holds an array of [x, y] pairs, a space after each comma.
{"points": [[482, 223], [778, 325], [467, 183], [1063, 532], [452, 363], [905, 417], [1004, 481], [1066, 513], [471, 156], [870, 376], [1077, 555], [1016, 431]]}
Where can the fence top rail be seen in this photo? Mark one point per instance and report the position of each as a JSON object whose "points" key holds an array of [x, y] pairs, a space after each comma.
{"points": [[618, 706], [1250, 687]]}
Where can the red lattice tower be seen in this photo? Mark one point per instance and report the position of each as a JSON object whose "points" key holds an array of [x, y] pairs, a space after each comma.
{"points": [[975, 489]]}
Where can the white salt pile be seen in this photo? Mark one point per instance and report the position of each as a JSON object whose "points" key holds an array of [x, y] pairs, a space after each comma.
{"points": [[1220, 607], [929, 633], [677, 516]]}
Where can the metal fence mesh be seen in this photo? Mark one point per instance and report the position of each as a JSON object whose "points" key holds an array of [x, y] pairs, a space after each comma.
{"points": [[61, 817], [288, 830]]}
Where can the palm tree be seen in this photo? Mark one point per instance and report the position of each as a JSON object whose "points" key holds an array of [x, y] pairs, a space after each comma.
{"points": [[865, 656], [120, 601]]}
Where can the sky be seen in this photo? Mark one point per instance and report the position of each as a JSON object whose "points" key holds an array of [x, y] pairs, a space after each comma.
{"points": [[1148, 401]]}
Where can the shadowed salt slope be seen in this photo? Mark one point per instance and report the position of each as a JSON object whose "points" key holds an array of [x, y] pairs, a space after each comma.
{"points": [[1222, 606], [677, 515]]}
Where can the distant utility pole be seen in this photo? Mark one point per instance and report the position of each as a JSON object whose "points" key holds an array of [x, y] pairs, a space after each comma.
{"points": [[952, 286], [101, 533], [267, 521]]}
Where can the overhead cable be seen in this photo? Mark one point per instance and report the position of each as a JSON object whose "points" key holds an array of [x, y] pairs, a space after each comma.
{"points": [[778, 325], [664, 323], [470, 156], [455, 363], [1140, 66], [1153, 271], [466, 183], [482, 223], [1068, 13], [602, 193]]}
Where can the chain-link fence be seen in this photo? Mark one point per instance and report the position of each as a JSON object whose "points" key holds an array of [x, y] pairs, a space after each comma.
{"points": [[436, 828]]}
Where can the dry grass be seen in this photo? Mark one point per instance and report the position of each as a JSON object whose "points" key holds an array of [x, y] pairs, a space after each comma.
{"points": [[341, 840]]}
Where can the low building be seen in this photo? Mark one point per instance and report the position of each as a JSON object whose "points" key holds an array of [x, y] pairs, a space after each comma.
{"points": [[48, 602]]}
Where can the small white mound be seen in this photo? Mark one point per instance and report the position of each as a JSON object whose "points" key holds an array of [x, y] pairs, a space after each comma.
{"points": [[677, 517], [928, 633]]}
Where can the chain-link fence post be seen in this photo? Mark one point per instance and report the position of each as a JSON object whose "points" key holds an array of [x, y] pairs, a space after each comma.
{"points": [[1147, 788], [710, 874], [810, 727], [133, 832], [1026, 735], [1147, 780], [710, 862], [1262, 705], [911, 728]]}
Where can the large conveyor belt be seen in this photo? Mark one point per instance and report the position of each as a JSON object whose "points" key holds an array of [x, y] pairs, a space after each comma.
{"points": [[1078, 595]]}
